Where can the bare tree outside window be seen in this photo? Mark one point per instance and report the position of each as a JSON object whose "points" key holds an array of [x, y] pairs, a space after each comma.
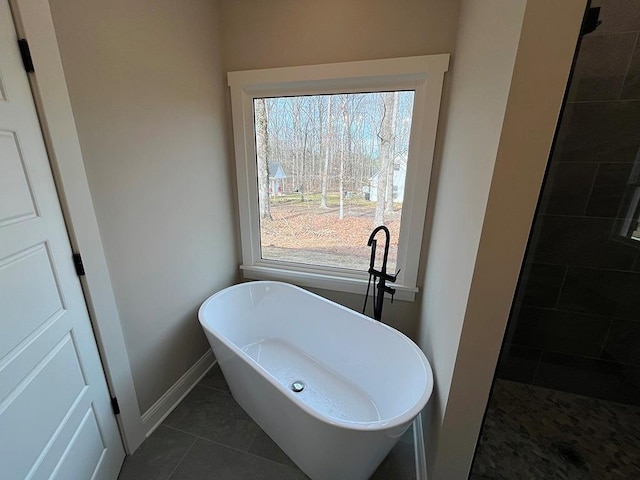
{"points": [[386, 137], [262, 149], [330, 169]]}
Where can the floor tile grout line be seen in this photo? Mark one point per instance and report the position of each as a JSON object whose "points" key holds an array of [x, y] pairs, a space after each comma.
{"points": [[586, 314], [195, 439], [606, 338], [585, 216], [232, 448], [613, 100], [253, 439], [535, 372], [628, 69], [636, 263], [591, 189], [225, 445], [576, 355], [227, 391], [556, 304]]}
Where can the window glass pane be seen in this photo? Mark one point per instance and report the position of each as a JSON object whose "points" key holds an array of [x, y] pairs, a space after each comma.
{"points": [[330, 169]]}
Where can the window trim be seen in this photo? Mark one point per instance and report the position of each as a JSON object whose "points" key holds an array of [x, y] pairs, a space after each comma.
{"points": [[423, 74]]}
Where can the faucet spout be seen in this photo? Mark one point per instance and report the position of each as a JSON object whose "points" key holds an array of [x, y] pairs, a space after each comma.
{"points": [[372, 243]]}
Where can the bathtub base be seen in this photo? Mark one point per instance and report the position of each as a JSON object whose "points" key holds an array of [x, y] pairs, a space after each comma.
{"points": [[311, 444]]}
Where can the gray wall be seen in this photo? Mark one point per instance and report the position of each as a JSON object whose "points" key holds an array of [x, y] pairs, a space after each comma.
{"points": [[148, 95], [147, 82], [576, 324], [507, 83], [277, 33]]}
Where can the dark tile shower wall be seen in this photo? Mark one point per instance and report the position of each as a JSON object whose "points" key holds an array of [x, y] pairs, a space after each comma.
{"points": [[575, 324]]}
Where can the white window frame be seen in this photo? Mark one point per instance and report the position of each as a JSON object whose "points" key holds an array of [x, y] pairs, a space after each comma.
{"points": [[423, 74]]}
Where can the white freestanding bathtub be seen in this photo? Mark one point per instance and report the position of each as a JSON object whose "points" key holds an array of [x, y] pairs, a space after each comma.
{"points": [[362, 382]]}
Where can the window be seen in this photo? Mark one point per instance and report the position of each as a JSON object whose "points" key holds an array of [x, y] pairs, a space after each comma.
{"points": [[324, 154]]}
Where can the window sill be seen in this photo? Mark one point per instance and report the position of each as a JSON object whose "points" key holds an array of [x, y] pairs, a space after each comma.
{"points": [[308, 278]]}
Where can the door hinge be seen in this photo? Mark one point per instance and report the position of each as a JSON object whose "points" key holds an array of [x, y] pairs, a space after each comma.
{"points": [[115, 406], [25, 53], [77, 261]]}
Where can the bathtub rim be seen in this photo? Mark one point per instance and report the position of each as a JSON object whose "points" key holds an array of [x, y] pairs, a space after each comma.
{"points": [[405, 417]]}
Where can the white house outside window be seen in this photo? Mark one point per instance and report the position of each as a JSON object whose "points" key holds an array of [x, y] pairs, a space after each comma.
{"points": [[324, 154]]}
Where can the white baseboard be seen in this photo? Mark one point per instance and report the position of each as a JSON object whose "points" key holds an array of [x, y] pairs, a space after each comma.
{"points": [[418, 443], [160, 410]]}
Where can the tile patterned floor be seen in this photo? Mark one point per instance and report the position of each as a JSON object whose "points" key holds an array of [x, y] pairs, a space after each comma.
{"points": [[534, 433], [208, 436]]}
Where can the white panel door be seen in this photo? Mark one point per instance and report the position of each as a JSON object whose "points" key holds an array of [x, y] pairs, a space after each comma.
{"points": [[56, 420]]}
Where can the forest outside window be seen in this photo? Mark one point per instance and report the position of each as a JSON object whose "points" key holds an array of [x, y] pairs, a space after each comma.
{"points": [[330, 169], [326, 153]]}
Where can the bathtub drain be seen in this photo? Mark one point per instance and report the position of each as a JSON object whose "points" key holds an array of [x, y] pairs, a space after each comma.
{"points": [[297, 386]]}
